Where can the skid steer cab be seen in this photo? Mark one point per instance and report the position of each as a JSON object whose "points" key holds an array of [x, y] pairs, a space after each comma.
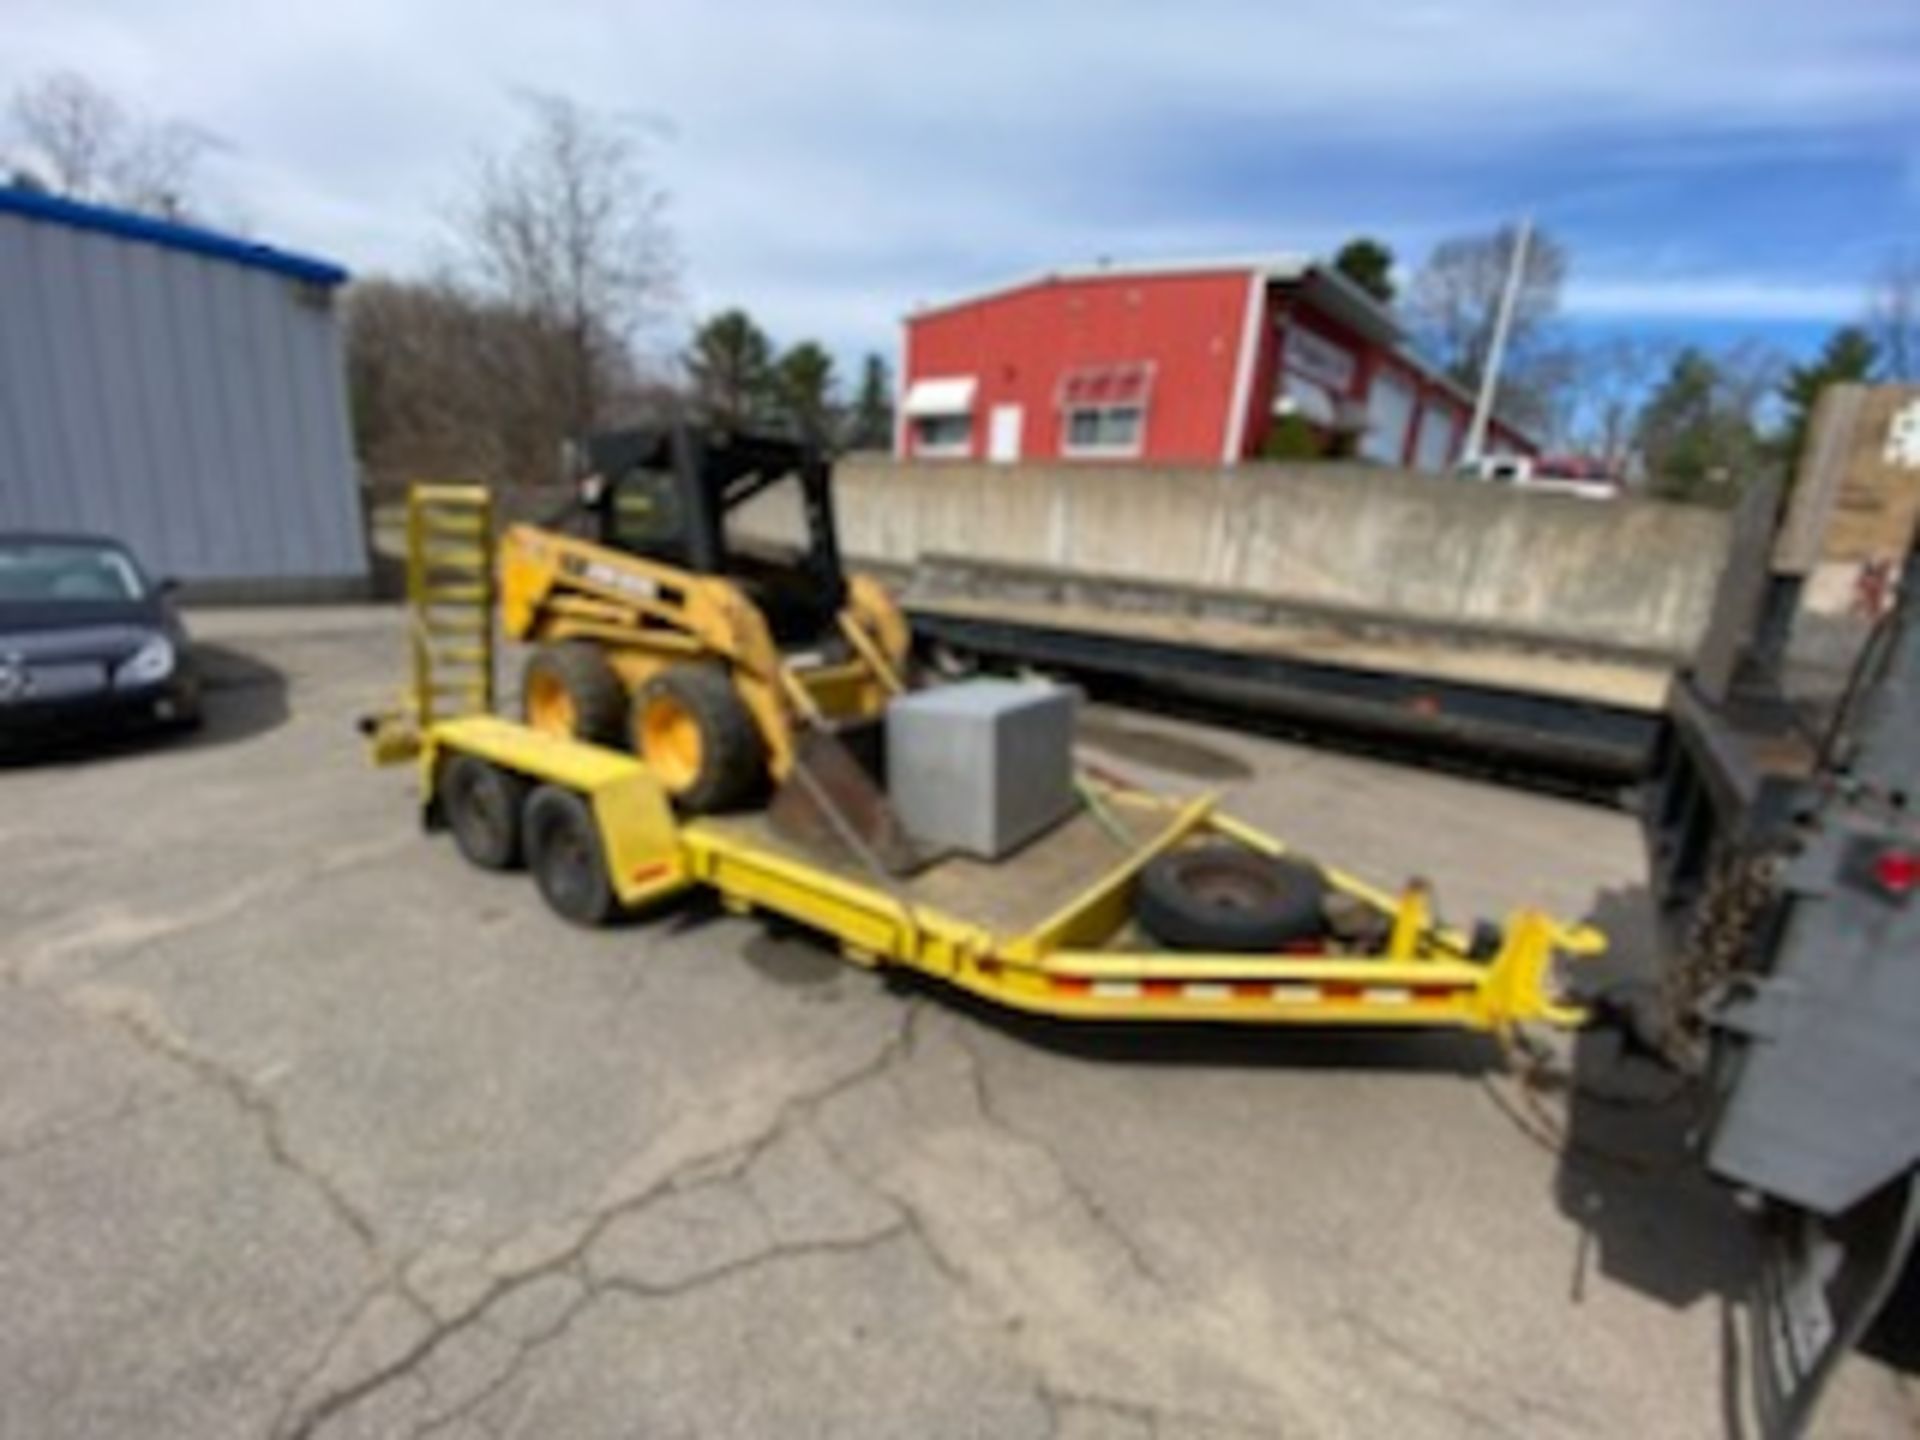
{"points": [[704, 618]]}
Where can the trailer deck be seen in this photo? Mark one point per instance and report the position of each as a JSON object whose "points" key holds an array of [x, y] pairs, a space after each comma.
{"points": [[1053, 869]]}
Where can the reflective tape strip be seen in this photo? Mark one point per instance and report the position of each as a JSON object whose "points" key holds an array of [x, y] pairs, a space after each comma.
{"points": [[1205, 991], [1217, 992]]}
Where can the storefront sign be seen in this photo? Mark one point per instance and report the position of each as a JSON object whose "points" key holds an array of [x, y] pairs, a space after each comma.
{"points": [[1318, 359]]}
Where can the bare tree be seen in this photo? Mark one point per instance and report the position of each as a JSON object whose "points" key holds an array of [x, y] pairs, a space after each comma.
{"points": [[1893, 310], [1455, 299], [80, 142], [1616, 377], [568, 228], [447, 382]]}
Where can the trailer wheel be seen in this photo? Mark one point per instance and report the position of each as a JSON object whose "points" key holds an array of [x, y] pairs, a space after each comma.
{"points": [[1228, 898], [569, 689], [696, 734], [482, 805], [563, 851]]}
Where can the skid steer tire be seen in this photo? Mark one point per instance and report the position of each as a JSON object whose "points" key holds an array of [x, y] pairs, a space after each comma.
{"points": [[1231, 899], [482, 805], [570, 689], [565, 856], [695, 733]]}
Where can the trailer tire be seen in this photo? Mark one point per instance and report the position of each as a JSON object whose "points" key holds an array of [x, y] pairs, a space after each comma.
{"points": [[570, 689], [563, 851], [1229, 898], [482, 804], [697, 735]]}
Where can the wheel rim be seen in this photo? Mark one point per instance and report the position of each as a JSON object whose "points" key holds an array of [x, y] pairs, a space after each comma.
{"points": [[468, 807], [670, 741], [550, 708], [484, 812], [1224, 887]]}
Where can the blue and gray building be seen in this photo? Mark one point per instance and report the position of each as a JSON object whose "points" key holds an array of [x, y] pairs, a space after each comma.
{"points": [[182, 391]]}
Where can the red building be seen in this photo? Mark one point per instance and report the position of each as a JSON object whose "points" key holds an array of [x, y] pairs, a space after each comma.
{"points": [[1187, 363]]}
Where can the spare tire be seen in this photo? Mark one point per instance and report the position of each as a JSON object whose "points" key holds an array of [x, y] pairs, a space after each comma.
{"points": [[1229, 898]]}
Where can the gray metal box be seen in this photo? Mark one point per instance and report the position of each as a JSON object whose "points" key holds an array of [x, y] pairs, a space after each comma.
{"points": [[982, 766]]}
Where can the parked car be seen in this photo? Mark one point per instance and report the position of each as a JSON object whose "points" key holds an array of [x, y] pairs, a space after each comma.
{"points": [[88, 642], [1547, 474]]}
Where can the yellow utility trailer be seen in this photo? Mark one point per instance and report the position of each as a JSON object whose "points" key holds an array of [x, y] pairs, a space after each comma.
{"points": [[1052, 929]]}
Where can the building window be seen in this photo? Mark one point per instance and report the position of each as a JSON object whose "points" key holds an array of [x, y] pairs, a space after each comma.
{"points": [[942, 436], [1104, 430], [1103, 409], [1434, 442], [939, 411], [1307, 399], [1390, 406]]}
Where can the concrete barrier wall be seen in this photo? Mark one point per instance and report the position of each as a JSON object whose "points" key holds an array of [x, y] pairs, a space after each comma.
{"points": [[1637, 573]]}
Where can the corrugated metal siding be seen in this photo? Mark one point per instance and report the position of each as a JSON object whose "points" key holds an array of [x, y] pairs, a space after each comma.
{"points": [[193, 407]]}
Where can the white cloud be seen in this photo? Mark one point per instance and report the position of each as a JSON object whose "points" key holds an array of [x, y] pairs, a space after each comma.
{"points": [[833, 162], [1713, 298]]}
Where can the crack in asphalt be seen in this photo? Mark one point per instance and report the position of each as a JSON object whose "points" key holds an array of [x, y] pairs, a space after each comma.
{"points": [[270, 1128], [1082, 1195], [1058, 1402], [1438, 1389], [725, 1163], [595, 1291], [252, 1102]]}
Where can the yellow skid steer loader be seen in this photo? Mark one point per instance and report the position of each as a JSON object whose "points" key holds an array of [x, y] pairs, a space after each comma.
{"points": [[708, 653]]}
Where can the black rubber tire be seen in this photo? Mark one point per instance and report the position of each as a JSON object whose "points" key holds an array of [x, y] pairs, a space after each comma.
{"points": [[733, 755], [1229, 898], [599, 699], [564, 854], [482, 804]]}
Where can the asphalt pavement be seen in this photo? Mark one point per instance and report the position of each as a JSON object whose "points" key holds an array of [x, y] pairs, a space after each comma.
{"points": [[308, 1129]]}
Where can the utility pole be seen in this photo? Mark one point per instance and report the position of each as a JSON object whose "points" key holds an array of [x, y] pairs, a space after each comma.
{"points": [[1497, 351]]}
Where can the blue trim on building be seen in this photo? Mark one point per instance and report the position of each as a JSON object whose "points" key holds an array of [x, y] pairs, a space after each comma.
{"points": [[193, 240]]}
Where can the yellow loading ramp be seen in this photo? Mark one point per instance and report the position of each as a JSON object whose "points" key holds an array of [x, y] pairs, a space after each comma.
{"points": [[1048, 930]]}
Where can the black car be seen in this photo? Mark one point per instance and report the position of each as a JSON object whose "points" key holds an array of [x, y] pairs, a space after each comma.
{"points": [[88, 642]]}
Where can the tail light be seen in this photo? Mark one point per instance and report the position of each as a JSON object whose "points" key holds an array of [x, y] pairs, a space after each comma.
{"points": [[1897, 871], [1887, 868]]}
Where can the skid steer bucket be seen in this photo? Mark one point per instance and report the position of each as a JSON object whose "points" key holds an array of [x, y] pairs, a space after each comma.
{"points": [[831, 800]]}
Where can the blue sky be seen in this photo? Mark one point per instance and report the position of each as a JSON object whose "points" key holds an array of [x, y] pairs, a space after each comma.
{"points": [[1718, 168]]}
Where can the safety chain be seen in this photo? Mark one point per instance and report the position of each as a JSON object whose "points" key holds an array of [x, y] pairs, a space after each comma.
{"points": [[1719, 944]]}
